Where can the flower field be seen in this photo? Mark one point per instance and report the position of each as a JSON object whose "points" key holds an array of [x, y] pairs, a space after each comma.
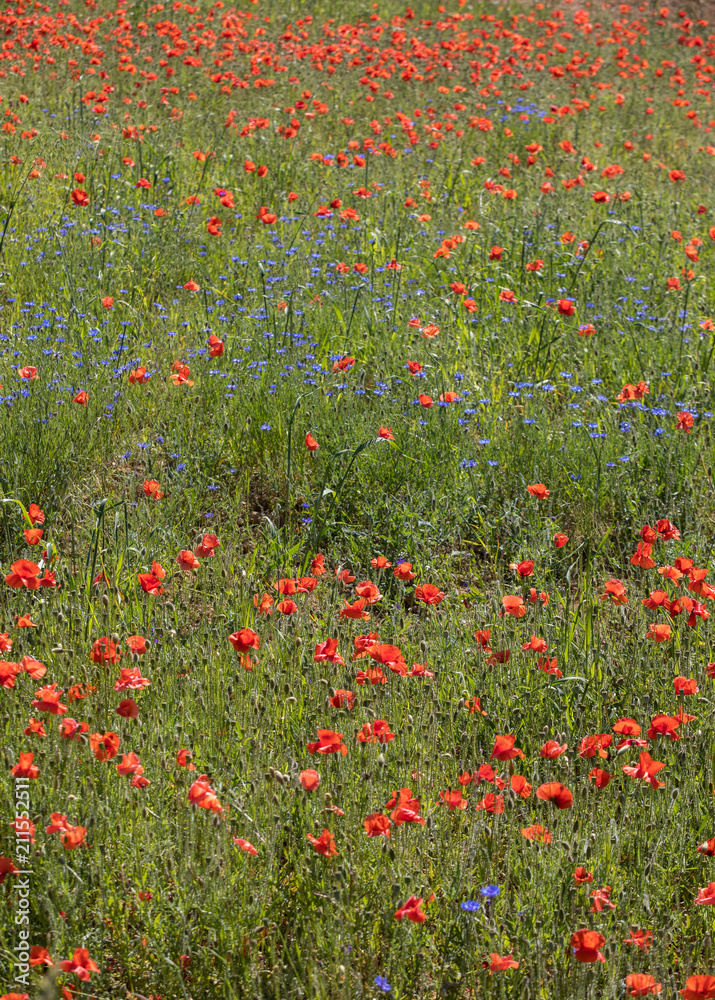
{"points": [[357, 500]]}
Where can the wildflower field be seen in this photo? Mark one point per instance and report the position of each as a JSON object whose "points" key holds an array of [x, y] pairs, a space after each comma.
{"points": [[357, 500]]}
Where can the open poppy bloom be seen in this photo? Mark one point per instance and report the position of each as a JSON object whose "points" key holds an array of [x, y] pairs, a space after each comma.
{"points": [[646, 770], [80, 964], [403, 572], [201, 794], [412, 910], [582, 876], [388, 656], [520, 786], [491, 803], [585, 945], [513, 606], [499, 963], [699, 988], [554, 791], [641, 984], [24, 574], [504, 748], [539, 491], [325, 844], [104, 746], [706, 896], [429, 594], [245, 845], [376, 732], [328, 742], [405, 808], [551, 749], [537, 833], [24, 767], [377, 825], [453, 800], [244, 639]]}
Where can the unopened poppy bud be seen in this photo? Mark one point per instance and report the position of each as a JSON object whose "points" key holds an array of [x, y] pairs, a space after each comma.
{"points": [[298, 641], [105, 601], [381, 760], [328, 798], [276, 801], [115, 637], [249, 421]]}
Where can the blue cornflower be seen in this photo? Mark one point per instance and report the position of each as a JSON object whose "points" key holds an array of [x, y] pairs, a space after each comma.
{"points": [[383, 984], [265, 427], [471, 905], [490, 891]]}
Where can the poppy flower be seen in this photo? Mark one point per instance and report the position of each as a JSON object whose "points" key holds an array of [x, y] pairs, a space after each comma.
{"points": [[7, 868], [708, 848], [685, 685], [368, 591], [342, 698], [245, 845], [104, 746], [429, 594], [667, 531], [405, 808], [47, 699], [663, 725], [520, 786], [646, 770], [80, 964], [535, 644], [640, 984], [500, 963], [40, 956], [355, 610], [150, 584], [491, 803], [642, 557], [376, 732], [539, 491], [137, 644], [659, 632], [152, 489], [474, 704], [412, 910], [425, 400], [372, 676], [403, 571], [582, 876], [601, 900], [524, 568], [453, 800], [138, 376], [504, 748], [615, 591], [80, 197], [389, 656], [377, 825], [310, 443], [127, 708], [35, 727], [24, 767], [554, 791], [513, 606], [325, 844], [244, 640], [182, 759], [599, 777], [105, 651], [592, 745], [380, 562], [130, 679], [70, 729], [82, 398], [706, 896], [328, 742], [552, 750], [24, 574], [585, 945], [201, 794], [309, 779], [548, 666], [699, 988], [33, 536], [536, 832], [187, 561], [328, 650]]}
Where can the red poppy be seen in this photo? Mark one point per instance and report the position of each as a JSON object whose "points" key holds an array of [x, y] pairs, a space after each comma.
{"points": [[554, 791], [537, 832], [80, 197], [551, 749], [377, 825], [539, 491], [500, 963], [24, 767], [699, 988], [150, 584], [325, 844], [376, 732], [453, 800], [615, 591], [599, 777], [706, 896], [328, 742], [491, 803], [513, 606], [640, 984], [355, 610], [47, 699], [429, 594], [646, 769], [412, 910], [104, 746], [520, 786], [586, 945], [245, 845], [403, 572], [244, 640], [309, 779], [80, 964], [310, 443], [582, 876], [504, 748], [23, 574]]}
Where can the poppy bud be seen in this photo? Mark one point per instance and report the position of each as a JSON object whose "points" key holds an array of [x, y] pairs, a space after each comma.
{"points": [[381, 760], [105, 601]]}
